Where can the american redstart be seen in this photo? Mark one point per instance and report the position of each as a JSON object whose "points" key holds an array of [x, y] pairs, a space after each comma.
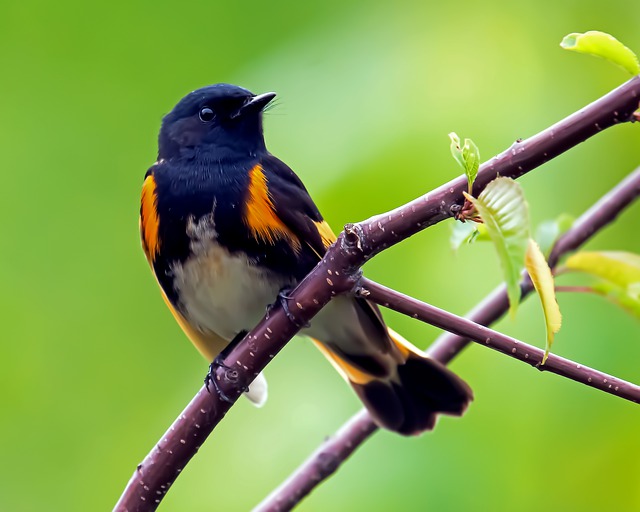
{"points": [[226, 226]]}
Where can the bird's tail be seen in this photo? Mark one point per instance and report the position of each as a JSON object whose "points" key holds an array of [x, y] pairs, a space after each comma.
{"points": [[409, 399]]}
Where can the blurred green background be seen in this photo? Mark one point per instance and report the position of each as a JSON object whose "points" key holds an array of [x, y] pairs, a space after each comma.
{"points": [[94, 369]]}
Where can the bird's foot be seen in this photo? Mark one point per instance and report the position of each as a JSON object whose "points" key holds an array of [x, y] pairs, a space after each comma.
{"points": [[230, 374], [283, 299]]}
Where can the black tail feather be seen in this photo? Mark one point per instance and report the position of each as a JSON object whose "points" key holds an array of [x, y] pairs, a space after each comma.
{"points": [[410, 403]]}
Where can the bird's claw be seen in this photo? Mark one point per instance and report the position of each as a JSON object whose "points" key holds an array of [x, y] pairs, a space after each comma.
{"points": [[210, 378], [283, 298]]}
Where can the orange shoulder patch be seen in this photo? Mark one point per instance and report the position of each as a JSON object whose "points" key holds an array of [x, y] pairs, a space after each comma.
{"points": [[149, 221], [260, 216]]}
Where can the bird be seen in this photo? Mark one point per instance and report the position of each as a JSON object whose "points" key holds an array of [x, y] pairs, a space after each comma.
{"points": [[226, 226]]}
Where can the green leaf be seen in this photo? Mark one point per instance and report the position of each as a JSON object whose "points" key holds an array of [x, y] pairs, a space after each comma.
{"points": [[617, 267], [467, 233], [543, 282], [467, 156], [549, 231], [505, 213], [602, 45]]}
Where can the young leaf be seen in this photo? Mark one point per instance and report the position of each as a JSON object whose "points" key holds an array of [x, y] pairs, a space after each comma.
{"points": [[471, 155], [467, 156], [505, 213], [603, 45], [543, 282], [467, 233], [617, 267], [549, 231]]}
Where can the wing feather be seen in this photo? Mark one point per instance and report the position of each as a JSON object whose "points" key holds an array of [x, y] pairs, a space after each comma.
{"points": [[298, 212]]}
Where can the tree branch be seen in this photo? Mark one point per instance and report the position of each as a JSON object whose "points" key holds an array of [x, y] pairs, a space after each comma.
{"points": [[336, 449], [497, 341], [338, 273]]}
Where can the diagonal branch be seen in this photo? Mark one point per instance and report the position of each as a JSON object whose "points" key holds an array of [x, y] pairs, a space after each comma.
{"points": [[338, 273], [336, 449], [493, 339]]}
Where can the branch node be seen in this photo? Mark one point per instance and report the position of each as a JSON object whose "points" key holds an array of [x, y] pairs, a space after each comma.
{"points": [[361, 291], [352, 240]]}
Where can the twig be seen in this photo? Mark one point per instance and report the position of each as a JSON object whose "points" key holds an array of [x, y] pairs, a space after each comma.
{"points": [[577, 289], [337, 273], [342, 444]]}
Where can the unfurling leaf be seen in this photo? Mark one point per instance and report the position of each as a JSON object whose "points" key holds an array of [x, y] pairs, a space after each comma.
{"points": [[620, 272], [549, 231], [543, 282], [505, 213], [467, 156], [603, 45]]}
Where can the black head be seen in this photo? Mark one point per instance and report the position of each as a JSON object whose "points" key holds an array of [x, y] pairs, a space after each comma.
{"points": [[220, 121]]}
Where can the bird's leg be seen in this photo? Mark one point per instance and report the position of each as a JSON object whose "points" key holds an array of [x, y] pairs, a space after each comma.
{"points": [[218, 362]]}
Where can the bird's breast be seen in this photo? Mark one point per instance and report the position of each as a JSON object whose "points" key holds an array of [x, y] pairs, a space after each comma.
{"points": [[221, 291]]}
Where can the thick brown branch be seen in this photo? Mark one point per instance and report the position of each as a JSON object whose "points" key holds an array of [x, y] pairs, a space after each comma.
{"points": [[337, 273], [342, 444], [387, 229]]}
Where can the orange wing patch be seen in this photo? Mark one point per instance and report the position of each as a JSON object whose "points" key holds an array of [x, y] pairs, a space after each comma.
{"points": [[327, 235], [149, 221], [260, 216]]}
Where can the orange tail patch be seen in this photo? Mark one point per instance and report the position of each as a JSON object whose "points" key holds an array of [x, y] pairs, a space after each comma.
{"points": [[409, 400]]}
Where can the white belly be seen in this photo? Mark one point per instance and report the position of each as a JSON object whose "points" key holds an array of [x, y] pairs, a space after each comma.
{"points": [[222, 292]]}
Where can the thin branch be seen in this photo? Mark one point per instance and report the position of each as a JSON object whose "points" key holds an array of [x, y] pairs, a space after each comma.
{"points": [[577, 289], [337, 273], [501, 342], [322, 463], [342, 444]]}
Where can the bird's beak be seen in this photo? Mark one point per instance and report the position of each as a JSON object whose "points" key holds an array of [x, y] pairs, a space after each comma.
{"points": [[257, 103]]}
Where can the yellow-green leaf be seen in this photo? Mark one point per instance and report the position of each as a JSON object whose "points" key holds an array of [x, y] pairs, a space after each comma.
{"points": [[602, 45], [617, 267], [543, 282], [505, 213]]}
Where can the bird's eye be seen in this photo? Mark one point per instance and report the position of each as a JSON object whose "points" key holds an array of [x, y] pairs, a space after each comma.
{"points": [[206, 114]]}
